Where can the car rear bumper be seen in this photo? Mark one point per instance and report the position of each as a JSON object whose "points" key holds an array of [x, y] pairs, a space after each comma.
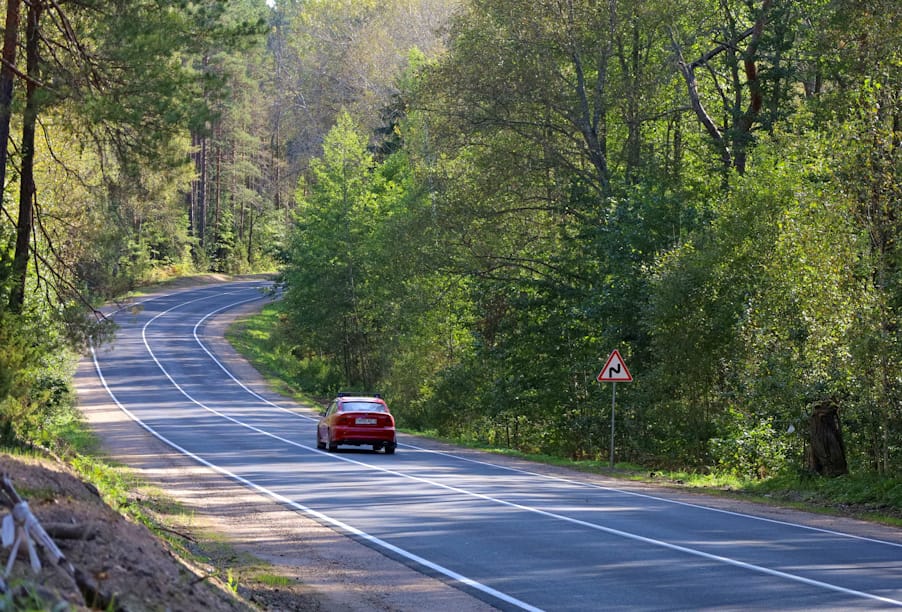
{"points": [[362, 435]]}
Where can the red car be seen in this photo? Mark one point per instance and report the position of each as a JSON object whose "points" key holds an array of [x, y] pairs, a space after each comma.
{"points": [[357, 420]]}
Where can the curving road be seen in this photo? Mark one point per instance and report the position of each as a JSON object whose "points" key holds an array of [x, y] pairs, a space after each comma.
{"points": [[515, 536]]}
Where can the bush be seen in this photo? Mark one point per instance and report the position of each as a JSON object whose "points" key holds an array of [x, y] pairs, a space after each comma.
{"points": [[751, 450]]}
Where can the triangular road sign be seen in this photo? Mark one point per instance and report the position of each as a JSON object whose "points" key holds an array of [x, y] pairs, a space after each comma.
{"points": [[614, 370]]}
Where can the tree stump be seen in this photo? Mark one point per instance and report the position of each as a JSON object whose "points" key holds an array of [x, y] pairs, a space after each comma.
{"points": [[827, 452]]}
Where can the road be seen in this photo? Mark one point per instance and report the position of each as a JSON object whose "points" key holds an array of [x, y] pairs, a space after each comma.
{"points": [[515, 536]]}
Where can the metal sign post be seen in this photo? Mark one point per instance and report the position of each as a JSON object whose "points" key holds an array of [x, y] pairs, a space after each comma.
{"points": [[614, 371], [613, 404]]}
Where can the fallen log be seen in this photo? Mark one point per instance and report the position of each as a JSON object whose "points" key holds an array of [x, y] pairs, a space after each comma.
{"points": [[73, 531]]}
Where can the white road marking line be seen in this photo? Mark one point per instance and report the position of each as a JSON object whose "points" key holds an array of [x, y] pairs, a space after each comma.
{"points": [[226, 370], [508, 599], [539, 475], [594, 526], [675, 502]]}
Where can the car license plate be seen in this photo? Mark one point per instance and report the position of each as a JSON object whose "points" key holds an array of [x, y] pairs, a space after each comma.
{"points": [[366, 421]]}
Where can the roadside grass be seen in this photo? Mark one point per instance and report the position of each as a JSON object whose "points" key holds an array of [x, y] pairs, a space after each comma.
{"points": [[72, 435], [273, 580], [257, 339], [867, 496]]}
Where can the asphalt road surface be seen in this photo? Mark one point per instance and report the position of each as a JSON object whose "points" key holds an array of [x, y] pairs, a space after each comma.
{"points": [[515, 537]]}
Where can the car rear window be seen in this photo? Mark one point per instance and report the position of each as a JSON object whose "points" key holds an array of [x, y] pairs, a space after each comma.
{"points": [[363, 407]]}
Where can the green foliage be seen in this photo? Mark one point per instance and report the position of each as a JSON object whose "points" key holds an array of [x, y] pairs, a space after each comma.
{"points": [[36, 400], [750, 449], [346, 56], [138, 229], [570, 208], [327, 282], [352, 262], [238, 189], [755, 312], [475, 230]]}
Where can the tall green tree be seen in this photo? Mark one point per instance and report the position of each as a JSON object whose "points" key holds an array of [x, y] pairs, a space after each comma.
{"points": [[236, 159], [7, 80], [547, 200], [864, 109], [94, 55], [330, 278]]}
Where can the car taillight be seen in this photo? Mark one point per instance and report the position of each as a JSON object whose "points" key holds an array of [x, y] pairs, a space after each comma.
{"points": [[371, 419], [382, 419]]}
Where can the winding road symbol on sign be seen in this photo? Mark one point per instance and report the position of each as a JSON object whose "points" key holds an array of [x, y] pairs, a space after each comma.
{"points": [[615, 370]]}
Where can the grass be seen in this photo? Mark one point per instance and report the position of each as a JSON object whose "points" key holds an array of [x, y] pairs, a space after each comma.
{"points": [[273, 580], [865, 495]]}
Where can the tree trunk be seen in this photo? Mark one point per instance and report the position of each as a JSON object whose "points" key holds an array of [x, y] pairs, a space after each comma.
{"points": [[7, 76], [632, 67], [197, 204], [252, 218], [217, 189], [827, 454], [192, 196], [202, 196], [25, 222]]}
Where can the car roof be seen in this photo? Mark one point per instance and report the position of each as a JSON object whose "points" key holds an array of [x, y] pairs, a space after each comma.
{"points": [[361, 398]]}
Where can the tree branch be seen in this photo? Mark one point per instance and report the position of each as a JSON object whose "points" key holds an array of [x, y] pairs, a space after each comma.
{"points": [[725, 46], [688, 72]]}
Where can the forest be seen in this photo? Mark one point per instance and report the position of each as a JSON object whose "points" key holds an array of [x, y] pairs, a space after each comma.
{"points": [[470, 204]]}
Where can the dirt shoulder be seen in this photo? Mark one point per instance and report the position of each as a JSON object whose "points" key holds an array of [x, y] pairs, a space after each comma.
{"points": [[311, 567], [127, 566]]}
